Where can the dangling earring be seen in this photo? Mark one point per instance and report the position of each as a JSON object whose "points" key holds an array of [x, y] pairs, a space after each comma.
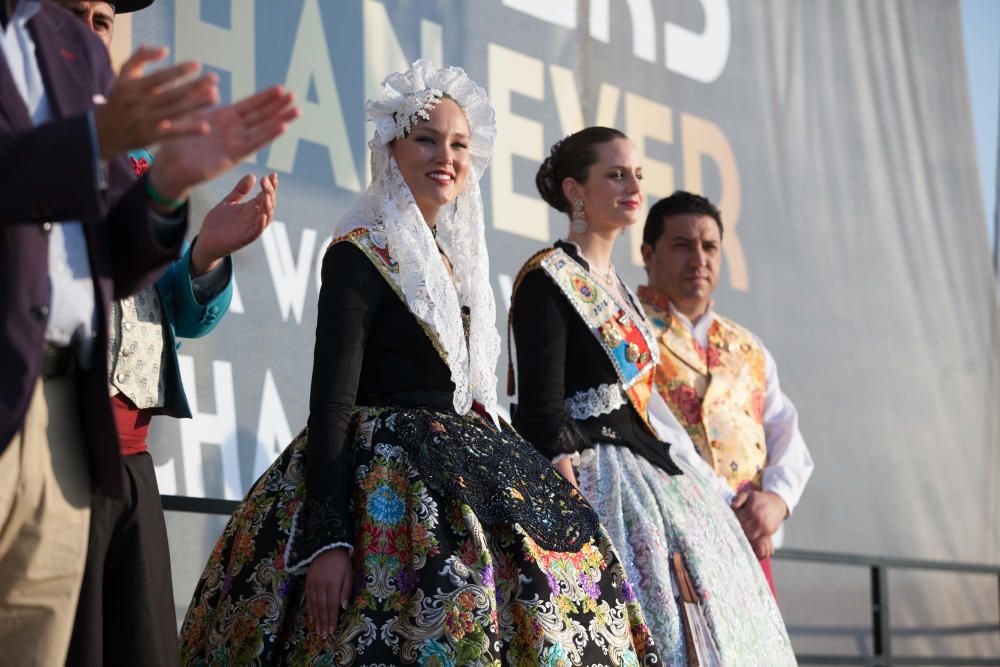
{"points": [[578, 223]]}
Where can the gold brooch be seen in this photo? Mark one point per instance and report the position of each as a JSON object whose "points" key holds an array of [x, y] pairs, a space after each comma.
{"points": [[611, 335]]}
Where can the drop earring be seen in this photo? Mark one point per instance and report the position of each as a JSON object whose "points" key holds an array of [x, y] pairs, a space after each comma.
{"points": [[578, 223]]}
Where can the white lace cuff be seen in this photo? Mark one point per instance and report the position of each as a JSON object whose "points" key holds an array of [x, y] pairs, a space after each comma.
{"points": [[303, 566], [296, 558], [601, 400]]}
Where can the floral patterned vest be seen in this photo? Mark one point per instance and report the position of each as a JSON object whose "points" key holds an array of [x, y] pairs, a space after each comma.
{"points": [[716, 393]]}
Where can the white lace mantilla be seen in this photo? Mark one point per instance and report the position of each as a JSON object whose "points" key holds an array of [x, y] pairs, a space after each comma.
{"points": [[387, 209], [601, 400]]}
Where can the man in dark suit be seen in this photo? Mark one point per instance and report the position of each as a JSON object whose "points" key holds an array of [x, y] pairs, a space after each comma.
{"points": [[126, 613], [76, 230]]}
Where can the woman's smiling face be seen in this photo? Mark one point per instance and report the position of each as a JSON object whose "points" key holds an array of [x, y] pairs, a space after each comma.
{"points": [[434, 157]]}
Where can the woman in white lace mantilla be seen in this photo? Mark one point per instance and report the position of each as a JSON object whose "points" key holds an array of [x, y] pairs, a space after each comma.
{"points": [[585, 359], [388, 532]]}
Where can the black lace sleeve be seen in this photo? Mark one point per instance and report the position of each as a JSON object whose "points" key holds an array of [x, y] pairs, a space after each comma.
{"points": [[349, 297], [540, 314], [318, 526], [569, 438]]}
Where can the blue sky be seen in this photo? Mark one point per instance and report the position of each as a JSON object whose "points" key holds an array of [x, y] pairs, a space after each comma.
{"points": [[981, 24]]}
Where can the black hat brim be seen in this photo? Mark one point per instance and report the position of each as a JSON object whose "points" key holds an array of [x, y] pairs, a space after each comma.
{"points": [[126, 6]]}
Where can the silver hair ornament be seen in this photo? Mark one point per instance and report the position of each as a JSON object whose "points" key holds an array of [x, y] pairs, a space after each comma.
{"points": [[414, 109]]}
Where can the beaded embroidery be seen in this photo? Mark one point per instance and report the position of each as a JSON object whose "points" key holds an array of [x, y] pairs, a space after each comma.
{"points": [[500, 476]]}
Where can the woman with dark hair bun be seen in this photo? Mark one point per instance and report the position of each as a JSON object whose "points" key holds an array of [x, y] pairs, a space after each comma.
{"points": [[585, 360]]}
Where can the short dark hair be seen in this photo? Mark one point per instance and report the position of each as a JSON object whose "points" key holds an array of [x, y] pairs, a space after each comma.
{"points": [[571, 158], [679, 203]]}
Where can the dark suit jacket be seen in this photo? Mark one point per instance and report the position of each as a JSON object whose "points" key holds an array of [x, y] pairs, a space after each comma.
{"points": [[47, 174]]}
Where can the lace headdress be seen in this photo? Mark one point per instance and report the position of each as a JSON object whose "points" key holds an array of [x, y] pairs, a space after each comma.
{"points": [[387, 209]]}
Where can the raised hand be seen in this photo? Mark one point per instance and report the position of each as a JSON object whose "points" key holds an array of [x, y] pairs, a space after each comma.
{"points": [[145, 109], [235, 132], [233, 224]]}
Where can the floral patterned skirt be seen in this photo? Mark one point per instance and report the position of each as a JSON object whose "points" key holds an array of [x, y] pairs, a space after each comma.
{"points": [[651, 515], [433, 585]]}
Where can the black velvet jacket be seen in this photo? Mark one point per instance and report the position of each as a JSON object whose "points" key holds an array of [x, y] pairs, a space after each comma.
{"points": [[557, 357], [370, 350]]}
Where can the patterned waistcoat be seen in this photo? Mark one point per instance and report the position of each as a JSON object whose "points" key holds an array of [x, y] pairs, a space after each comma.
{"points": [[135, 349], [135, 346], [715, 392]]}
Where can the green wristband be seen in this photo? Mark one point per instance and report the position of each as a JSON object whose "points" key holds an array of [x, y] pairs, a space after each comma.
{"points": [[160, 199]]}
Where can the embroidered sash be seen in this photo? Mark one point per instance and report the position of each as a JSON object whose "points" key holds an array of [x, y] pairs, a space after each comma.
{"points": [[630, 345]]}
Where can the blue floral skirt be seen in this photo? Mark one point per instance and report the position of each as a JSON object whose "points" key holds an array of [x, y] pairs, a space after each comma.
{"points": [[650, 516], [433, 584]]}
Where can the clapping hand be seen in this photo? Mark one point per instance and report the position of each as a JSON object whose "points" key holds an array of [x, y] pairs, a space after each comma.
{"points": [[235, 131], [142, 110], [233, 223]]}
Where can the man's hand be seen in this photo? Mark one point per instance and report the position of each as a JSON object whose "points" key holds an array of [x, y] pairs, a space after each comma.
{"points": [[235, 132], [328, 590], [760, 513], [233, 224], [144, 110], [762, 548]]}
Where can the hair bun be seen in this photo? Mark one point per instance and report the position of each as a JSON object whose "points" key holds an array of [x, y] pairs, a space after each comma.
{"points": [[549, 170], [546, 182]]}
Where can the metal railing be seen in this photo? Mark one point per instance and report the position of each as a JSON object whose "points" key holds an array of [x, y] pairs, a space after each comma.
{"points": [[878, 566]]}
